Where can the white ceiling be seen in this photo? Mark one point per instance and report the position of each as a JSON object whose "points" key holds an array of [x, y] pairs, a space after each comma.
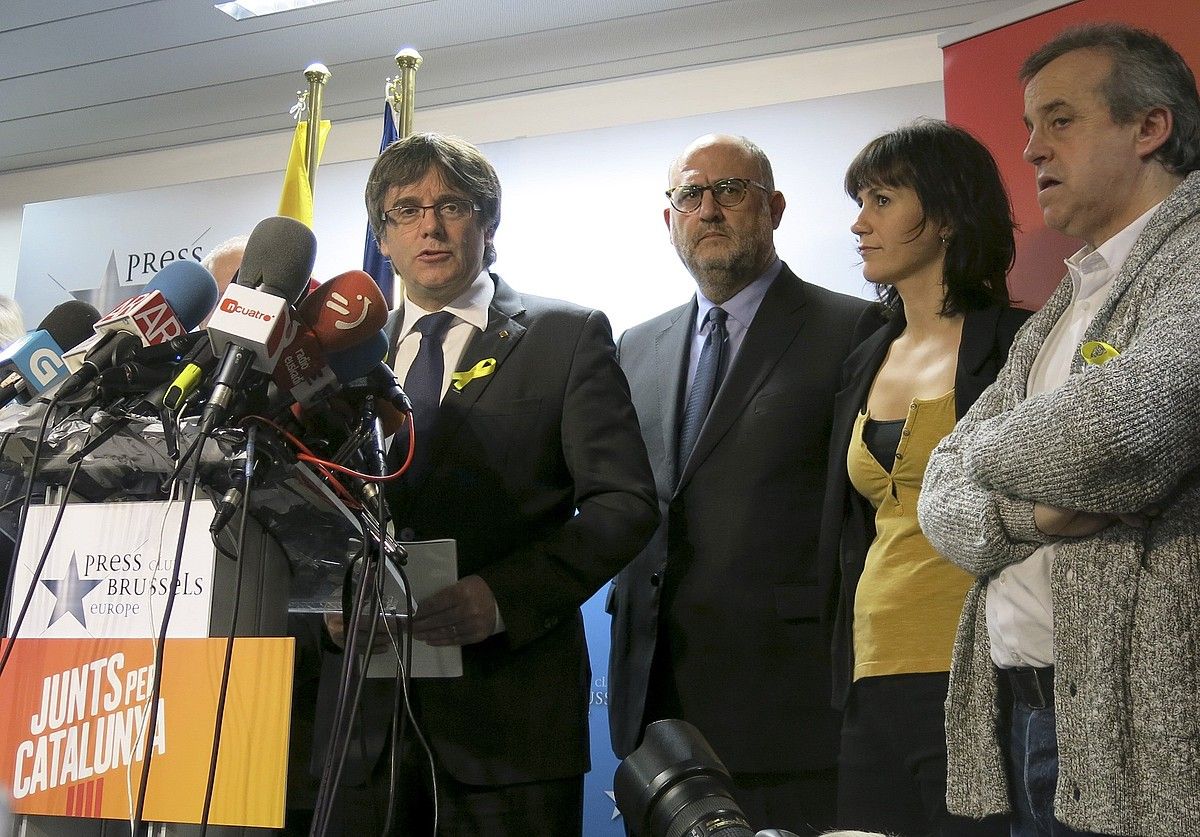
{"points": [[82, 79]]}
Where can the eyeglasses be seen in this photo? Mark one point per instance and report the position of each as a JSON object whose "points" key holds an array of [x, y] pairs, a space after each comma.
{"points": [[727, 193], [448, 211]]}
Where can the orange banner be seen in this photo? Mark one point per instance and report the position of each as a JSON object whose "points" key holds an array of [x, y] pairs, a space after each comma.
{"points": [[76, 712]]}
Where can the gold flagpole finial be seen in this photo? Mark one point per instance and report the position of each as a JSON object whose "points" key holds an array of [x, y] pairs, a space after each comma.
{"points": [[316, 74], [403, 89]]}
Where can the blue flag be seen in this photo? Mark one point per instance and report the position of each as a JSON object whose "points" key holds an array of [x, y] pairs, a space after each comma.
{"points": [[373, 261]]}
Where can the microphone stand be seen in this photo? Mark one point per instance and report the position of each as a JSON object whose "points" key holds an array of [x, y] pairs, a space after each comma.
{"points": [[367, 599]]}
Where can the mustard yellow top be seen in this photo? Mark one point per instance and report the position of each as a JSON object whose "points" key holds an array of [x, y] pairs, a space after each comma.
{"points": [[909, 598]]}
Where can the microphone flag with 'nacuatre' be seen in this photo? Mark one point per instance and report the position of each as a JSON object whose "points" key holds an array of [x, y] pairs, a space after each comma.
{"points": [[374, 261]]}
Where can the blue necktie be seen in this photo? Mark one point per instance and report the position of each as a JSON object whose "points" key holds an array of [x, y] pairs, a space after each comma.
{"points": [[423, 384], [704, 384]]}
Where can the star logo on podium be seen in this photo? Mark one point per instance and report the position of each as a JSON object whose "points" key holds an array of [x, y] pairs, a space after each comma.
{"points": [[69, 593]]}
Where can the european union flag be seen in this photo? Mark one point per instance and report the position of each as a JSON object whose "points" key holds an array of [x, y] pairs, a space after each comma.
{"points": [[373, 261]]}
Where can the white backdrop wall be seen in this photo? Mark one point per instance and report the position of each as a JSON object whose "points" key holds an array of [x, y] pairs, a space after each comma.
{"points": [[583, 171]]}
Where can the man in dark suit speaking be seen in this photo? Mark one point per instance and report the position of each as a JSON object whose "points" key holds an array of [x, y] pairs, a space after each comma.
{"points": [[528, 455], [717, 622]]}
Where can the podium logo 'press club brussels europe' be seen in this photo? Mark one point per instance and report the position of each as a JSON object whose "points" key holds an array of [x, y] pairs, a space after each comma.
{"points": [[121, 582]]}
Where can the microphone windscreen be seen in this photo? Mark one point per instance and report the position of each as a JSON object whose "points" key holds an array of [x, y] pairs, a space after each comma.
{"points": [[70, 323], [279, 257], [351, 364], [344, 310], [188, 288]]}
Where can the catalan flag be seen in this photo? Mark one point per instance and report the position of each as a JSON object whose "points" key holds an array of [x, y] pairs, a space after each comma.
{"points": [[297, 199]]}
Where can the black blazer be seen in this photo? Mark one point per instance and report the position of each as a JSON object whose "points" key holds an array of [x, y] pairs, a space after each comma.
{"points": [[848, 520], [730, 577], [539, 472]]}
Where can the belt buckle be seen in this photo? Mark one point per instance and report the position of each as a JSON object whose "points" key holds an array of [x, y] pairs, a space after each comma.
{"points": [[1027, 686]]}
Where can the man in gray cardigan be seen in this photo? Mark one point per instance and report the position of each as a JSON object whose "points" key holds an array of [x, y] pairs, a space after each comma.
{"points": [[1072, 488]]}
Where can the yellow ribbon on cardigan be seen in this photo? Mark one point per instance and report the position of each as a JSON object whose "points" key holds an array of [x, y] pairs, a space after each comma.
{"points": [[1097, 352]]}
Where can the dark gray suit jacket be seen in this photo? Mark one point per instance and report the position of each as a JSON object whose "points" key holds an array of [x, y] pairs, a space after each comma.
{"points": [[539, 473], [730, 581]]}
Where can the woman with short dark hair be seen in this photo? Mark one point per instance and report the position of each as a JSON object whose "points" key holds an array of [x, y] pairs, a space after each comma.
{"points": [[935, 233]]}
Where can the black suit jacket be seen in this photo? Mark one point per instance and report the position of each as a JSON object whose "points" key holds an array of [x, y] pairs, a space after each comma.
{"points": [[848, 521], [539, 473], [730, 578]]}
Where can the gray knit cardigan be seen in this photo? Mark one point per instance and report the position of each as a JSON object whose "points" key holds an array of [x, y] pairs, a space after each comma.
{"points": [[1120, 437]]}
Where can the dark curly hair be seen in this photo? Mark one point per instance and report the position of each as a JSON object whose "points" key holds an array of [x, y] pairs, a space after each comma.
{"points": [[959, 186]]}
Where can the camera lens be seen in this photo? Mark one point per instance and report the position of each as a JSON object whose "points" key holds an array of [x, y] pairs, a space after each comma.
{"points": [[675, 786]]}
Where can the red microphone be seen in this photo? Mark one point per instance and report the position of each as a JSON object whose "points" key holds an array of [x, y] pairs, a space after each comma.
{"points": [[345, 310]]}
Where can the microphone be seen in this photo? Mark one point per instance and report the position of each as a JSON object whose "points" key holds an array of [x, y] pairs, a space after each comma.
{"points": [[345, 312], [132, 377], [174, 302], [34, 363], [172, 351], [302, 371], [252, 324], [344, 309], [363, 372], [356, 361], [279, 258]]}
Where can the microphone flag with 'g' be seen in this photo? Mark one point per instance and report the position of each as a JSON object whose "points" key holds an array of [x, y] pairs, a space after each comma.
{"points": [[174, 302], [35, 363]]}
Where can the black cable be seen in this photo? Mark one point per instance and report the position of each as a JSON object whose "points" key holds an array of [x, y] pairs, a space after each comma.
{"points": [[327, 790], [355, 668], [6, 592], [160, 649], [21, 520], [251, 436], [216, 540], [41, 566]]}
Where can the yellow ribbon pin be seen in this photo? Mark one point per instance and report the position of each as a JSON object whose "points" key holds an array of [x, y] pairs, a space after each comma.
{"points": [[1097, 352], [482, 369]]}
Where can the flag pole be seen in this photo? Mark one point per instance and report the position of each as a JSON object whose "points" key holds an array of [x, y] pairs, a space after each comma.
{"points": [[317, 75], [403, 90]]}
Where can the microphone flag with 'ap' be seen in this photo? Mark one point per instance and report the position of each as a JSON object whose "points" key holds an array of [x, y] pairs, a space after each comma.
{"points": [[174, 302]]}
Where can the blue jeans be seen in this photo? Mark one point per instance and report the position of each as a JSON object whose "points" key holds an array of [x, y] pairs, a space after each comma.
{"points": [[1033, 770]]}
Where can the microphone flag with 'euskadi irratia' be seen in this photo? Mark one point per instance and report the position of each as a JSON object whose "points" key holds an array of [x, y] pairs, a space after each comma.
{"points": [[297, 198], [374, 262]]}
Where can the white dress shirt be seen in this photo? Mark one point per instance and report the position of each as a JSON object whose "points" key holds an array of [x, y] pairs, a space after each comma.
{"points": [[471, 311], [1020, 617]]}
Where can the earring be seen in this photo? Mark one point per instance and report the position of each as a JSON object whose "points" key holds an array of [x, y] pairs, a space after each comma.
{"points": [[945, 240]]}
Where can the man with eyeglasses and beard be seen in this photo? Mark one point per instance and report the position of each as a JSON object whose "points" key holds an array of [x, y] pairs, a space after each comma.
{"points": [[528, 455], [719, 620]]}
